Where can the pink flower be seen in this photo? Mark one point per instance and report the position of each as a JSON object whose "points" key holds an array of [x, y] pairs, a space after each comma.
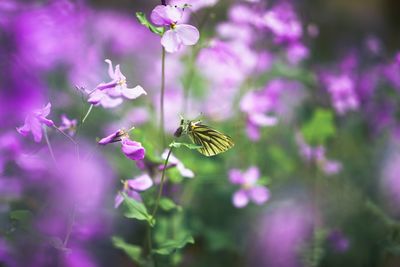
{"points": [[34, 122], [317, 155], [249, 189], [111, 94], [68, 125], [185, 172], [132, 149], [178, 34], [132, 188]]}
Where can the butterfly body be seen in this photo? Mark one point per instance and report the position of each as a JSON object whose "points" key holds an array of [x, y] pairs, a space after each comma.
{"points": [[212, 142]]}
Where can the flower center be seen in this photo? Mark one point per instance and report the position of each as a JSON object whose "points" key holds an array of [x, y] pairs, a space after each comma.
{"points": [[173, 25], [121, 82]]}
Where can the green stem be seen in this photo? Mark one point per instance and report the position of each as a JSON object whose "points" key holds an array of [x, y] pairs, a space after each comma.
{"points": [[87, 114], [153, 214], [162, 97], [46, 137]]}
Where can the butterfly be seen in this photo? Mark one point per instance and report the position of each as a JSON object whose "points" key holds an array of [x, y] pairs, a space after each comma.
{"points": [[212, 142]]}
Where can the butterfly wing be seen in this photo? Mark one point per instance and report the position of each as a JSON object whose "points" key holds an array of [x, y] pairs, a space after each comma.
{"points": [[212, 141]]}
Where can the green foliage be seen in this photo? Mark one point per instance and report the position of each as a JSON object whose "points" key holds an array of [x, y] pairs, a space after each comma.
{"points": [[134, 252], [22, 217], [170, 246], [136, 210], [141, 17], [314, 253], [319, 128], [168, 204]]}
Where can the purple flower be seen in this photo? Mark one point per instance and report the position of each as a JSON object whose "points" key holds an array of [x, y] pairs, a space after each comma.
{"points": [[114, 137], [296, 52], [133, 187], [280, 235], [68, 125], [178, 34], [338, 241], [34, 122], [132, 149], [110, 94], [185, 172], [317, 155], [342, 91], [282, 21], [249, 189]]}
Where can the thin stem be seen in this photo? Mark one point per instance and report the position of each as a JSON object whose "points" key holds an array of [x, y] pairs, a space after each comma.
{"points": [[153, 214], [46, 137], [162, 97], [87, 114], [70, 225], [66, 135]]}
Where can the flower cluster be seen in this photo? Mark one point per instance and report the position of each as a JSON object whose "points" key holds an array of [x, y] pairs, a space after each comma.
{"points": [[249, 189]]}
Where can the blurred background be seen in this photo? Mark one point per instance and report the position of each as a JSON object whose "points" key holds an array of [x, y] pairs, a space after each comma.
{"points": [[308, 90]]}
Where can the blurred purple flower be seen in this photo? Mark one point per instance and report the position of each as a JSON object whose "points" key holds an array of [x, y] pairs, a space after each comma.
{"points": [[194, 4], [312, 30], [185, 172], [249, 190], [282, 21], [342, 91], [338, 241], [34, 122], [297, 52], [132, 149], [68, 125], [178, 34], [132, 188], [281, 234], [390, 182], [317, 155], [110, 94]]}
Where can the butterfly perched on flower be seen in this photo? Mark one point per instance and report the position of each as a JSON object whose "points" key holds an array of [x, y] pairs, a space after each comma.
{"points": [[211, 141]]}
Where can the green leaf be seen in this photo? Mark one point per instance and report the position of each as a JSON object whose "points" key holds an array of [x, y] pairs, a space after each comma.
{"points": [[171, 246], [319, 128], [178, 145], [133, 251], [141, 17], [23, 217], [168, 204], [136, 210]]}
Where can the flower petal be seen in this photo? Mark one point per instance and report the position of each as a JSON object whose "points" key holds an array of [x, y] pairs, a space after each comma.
{"points": [[170, 41], [240, 199], [188, 34], [165, 15], [251, 175], [141, 183], [261, 119], [36, 129], [46, 110], [112, 138], [110, 69], [236, 176], [259, 194], [132, 149], [132, 93], [109, 102], [118, 200]]}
